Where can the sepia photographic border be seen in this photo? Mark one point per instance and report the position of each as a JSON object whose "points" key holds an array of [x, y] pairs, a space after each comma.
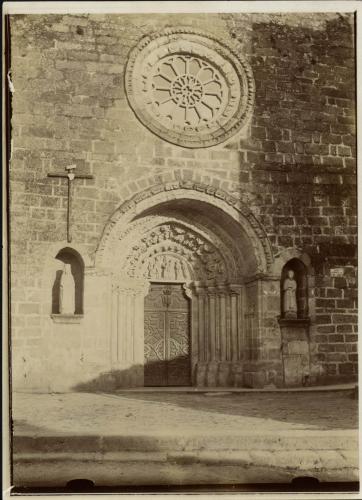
{"points": [[154, 7]]}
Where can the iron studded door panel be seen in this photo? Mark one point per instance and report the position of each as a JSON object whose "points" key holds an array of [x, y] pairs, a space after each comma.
{"points": [[167, 344]]}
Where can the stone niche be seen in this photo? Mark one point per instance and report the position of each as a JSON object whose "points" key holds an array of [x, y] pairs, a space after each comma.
{"points": [[294, 324], [72, 260]]}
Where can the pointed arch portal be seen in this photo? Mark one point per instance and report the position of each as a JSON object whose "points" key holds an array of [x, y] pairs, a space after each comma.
{"points": [[208, 256]]}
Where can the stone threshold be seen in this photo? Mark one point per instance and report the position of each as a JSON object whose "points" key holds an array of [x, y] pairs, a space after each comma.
{"points": [[228, 390]]}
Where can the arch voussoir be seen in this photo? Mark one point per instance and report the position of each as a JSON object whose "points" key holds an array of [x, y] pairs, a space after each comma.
{"points": [[178, 188]]}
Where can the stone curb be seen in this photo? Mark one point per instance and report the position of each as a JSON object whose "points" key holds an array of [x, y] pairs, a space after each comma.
{"points": [[199, 467], [304, 459], [159, 458], [238, 390], [344, 440]]}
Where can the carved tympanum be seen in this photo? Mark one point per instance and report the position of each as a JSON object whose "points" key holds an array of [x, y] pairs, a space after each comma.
{"points": [[172, 252], [168, 267], [189, 88]]}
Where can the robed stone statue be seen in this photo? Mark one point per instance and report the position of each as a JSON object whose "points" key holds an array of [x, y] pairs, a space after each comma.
{"points": [[290, 296], [67, 291]]}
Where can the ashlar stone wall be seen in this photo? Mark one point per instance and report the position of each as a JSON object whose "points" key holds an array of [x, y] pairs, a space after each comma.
{"points": [[293, 164]]}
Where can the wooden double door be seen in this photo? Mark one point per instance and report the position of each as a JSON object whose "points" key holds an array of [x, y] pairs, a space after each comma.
{"points": [[167, 336]]}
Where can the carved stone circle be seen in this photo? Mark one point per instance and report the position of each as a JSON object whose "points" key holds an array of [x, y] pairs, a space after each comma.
{"points": [[188, 88]]}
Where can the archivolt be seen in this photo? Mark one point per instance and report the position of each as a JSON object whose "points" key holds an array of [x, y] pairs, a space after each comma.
{"points": [[170, 192]]}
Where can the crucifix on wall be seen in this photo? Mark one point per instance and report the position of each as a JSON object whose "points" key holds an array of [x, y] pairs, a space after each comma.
{"points": [[70, 175]]}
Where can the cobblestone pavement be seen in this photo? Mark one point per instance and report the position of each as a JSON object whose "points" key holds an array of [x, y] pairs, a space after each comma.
{"points": [[178, 413]]}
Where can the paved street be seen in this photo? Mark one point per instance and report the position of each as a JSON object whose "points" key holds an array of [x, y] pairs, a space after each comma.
{"points": [[183, 438], [83, 413]]}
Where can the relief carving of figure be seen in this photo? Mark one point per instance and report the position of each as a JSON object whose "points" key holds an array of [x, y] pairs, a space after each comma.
{"points": [[67, 291], [178, 270], [156, 268], [290, 296], [183, 269], [163, 267], [169, 269], [149, 270]]}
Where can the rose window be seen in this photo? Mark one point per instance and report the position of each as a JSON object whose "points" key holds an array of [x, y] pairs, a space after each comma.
{"points": [[188, 88], [188, 91]]}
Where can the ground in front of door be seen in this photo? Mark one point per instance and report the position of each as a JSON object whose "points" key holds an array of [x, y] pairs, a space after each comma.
{"points": [[150, 437]]}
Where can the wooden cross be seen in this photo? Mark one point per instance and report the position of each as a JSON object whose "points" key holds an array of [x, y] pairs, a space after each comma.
{"points": [[70, 175]]}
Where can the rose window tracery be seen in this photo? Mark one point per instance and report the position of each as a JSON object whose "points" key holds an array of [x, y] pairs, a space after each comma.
{"points": [[188, 88]]}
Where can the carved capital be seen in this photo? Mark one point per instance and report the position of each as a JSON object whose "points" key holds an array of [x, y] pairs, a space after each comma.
{"points": [[235, 289]]}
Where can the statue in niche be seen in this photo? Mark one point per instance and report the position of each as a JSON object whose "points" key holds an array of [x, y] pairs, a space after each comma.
{"points": [[67, 291], [290, 296]]}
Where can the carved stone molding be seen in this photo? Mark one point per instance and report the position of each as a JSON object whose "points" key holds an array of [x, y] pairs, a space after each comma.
{"points": [[174, 252], [161, 246], [188, 87], [201, 289], [217, 197]]}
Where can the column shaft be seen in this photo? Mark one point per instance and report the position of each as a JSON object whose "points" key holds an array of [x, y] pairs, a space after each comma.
{"points": [[138, 337], [234, 327], [217, 327], [114, 328], [120, 327], [228, 327], [195, 330], [212, 327], [207, 328], [223, 328], [129, 332], [201, 328]]}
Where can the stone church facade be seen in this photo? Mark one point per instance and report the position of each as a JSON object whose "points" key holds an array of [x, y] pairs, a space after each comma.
{"points": [[181, 168]]}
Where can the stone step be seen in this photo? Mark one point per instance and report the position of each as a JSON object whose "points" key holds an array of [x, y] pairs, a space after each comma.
{"points": [[163, 458], [192, 459], [292, 440], [184, 467]]}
